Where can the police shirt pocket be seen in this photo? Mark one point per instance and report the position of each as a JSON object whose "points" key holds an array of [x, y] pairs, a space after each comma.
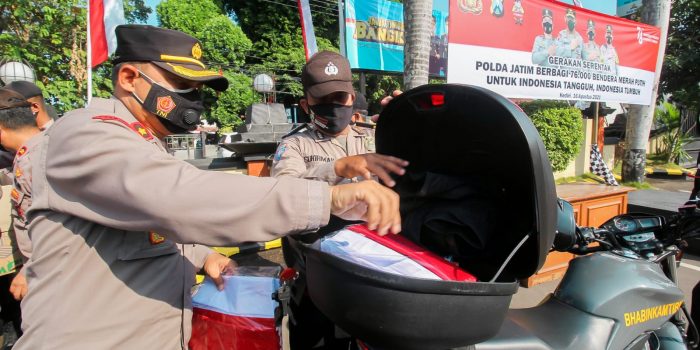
{"points": [[137, 245]]}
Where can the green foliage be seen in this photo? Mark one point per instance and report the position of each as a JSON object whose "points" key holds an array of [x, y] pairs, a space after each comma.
{"points": [[50, 36], [680, 75], [380, 86], [560, 128], [224, 47], [223, 42], [136, 11], [186, 15], [534, 106], [275, 31], [673, 139], [231, 103]]}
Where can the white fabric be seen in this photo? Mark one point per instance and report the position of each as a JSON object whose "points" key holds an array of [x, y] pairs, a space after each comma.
{"points": [[248, 296], [358, 249], [113, 16]]}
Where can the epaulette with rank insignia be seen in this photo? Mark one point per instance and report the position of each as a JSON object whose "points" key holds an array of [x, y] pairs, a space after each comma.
{"points": [[22, 151], [135, 126]]}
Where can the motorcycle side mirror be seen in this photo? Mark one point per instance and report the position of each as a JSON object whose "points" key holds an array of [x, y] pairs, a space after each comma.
{"points": [[565, 237]]}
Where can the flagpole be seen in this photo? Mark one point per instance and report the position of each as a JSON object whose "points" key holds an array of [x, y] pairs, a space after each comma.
{"points": [[89, 57]]}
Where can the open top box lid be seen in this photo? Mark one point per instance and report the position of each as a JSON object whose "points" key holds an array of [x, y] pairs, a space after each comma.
{"points": [[464, 131]]}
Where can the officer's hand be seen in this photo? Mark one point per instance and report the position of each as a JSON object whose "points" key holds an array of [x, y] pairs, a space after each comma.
{"points": [[218, 265], [18, 287], [385, 101], [370, 163], [552, 50], [368, 201]]}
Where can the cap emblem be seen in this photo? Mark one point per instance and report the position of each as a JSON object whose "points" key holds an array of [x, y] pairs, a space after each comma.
{"points": [[331, 69], [165, 105], [197, 51]]}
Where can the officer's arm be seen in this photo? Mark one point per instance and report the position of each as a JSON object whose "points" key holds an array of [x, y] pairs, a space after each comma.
{"points": [[562, 49], [201, 253], [107, 174], [289, 161], [539, 56]]}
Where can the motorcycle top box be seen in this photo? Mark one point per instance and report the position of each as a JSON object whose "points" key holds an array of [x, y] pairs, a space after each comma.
{"points": [[478, 192]]}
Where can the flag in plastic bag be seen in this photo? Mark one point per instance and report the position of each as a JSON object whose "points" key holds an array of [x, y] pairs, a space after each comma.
{"points": [[599, 167], [241, 317]]}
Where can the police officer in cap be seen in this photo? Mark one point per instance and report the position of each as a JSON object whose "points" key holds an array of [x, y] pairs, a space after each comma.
{"points": [[332, 150], [545, 45], [569, 41], [591, 51], [110, 204], [608, 52]]}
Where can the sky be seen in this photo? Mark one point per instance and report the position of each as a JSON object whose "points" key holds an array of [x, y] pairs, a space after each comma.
{"points": [[152, 19], [608, 7]]}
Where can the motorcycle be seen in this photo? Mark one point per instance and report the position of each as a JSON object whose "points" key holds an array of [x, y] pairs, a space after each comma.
{"points": [[619, 294], [459, 202]]}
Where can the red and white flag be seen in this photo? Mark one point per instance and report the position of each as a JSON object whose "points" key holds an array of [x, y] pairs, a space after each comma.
{"points": [[307, 28], [105, 16]]}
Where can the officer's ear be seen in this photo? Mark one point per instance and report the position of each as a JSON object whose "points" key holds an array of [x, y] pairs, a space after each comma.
{"points": [[126, 77], [304, 105]]}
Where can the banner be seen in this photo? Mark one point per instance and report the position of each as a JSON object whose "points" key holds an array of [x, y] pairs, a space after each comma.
{"points": [[540, 49], [374, 36]]}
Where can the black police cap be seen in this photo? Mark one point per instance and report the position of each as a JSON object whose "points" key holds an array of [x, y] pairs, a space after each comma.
{"points": [[172, 50], [25, 88]]}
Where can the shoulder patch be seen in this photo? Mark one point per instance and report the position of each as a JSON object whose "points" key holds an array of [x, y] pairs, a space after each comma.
{"points": [[135, 126], [280, 152]]}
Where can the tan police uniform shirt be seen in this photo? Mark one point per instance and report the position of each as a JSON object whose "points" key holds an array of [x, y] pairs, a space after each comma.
{"points": [[105, 198], [21, 195], [311, 154]]}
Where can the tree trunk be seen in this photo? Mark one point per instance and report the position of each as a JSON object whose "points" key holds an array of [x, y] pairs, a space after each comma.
{"points": [[639, 118], [417, 21]]}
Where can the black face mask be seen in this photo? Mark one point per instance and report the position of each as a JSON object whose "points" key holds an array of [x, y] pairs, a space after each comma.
{"points": [[608, 39], [571, 24], [331, 117], [591, 35], [547, 28], [179, 111]]}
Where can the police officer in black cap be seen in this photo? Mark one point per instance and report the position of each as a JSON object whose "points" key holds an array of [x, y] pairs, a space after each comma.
{"points": [[114, 217]]}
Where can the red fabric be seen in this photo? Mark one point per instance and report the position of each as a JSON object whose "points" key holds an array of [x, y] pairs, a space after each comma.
{"points": [[434, 263], [213, 331], [98, 38]]}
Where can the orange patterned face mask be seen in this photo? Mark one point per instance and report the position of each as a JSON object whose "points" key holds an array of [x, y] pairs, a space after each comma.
{"points": [[179, 109]]}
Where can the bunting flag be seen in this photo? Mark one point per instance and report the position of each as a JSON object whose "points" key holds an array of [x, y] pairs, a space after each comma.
{"points": [[599, 167], [307, 28], [104, 16]]}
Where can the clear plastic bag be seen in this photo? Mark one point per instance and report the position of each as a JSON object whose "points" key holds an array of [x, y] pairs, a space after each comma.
{"points": [[242, 316]]}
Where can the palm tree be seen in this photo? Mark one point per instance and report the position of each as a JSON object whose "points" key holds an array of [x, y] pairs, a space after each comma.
{"points": [[418, 25]]}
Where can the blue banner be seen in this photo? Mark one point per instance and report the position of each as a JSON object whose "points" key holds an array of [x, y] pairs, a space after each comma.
{"points": [[374, 35]]}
